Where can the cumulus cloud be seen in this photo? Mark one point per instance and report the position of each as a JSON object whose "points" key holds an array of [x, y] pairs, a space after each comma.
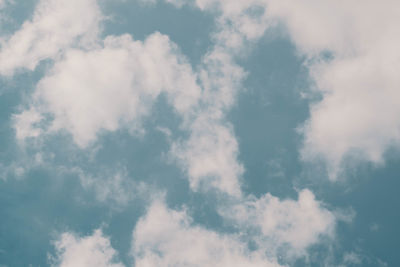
{"points": [[55, 26], [167, 238], [358, 115], [94, 250], [293, 224], [108, 87], [209, 156]]}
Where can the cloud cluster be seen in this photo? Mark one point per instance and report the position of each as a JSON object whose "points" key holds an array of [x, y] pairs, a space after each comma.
{"points": [[353, 57], [165, 237]]}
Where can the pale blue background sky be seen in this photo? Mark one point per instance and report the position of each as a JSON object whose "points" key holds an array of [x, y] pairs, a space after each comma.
{"points": [[43, 202]]}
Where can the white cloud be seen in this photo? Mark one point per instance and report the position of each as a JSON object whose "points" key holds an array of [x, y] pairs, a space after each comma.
{"points": [[94, 250], [106, 88], [167, 238], [55, 26], [358, 116], [292, 224], [209, 156]]}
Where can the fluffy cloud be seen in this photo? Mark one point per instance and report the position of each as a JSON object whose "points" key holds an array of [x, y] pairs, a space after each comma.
{"points": [[167, 238], [209, 156], [94, 250], [108, 87], [292, 224], [55, 26], [358, 115]]}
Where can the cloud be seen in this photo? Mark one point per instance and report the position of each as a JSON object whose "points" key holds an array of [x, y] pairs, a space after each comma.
{"points": [[357, 117], [210, 156], [55, 26], [88, 91], [94, 250], [167, 238], [292, 224]]}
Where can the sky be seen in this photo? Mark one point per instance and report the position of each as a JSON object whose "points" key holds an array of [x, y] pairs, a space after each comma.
{"points": [[199, 133]]}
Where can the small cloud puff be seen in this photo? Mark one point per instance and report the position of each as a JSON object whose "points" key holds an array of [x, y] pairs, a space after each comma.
{"points": [[74, 251]]}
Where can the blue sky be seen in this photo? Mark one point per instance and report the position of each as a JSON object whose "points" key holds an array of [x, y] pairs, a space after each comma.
{"points": [[199, 133]]}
